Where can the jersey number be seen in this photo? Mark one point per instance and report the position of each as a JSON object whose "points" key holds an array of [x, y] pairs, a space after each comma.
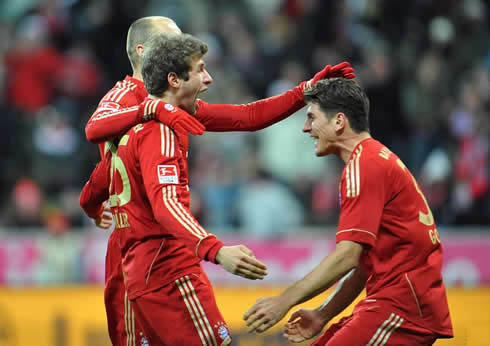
{"points": [[118, 200], [426, 219]]}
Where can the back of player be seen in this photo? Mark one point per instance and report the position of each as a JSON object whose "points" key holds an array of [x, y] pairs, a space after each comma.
{"points": [[123, 330], [403, 252], [162, 244]]}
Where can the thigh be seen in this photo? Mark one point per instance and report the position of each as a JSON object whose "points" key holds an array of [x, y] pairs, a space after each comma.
{"points": [[122, 325], [375, 328], [182, 313]]}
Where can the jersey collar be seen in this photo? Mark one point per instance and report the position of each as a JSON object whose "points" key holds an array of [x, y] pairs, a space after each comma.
{"points": [[140, 89]]}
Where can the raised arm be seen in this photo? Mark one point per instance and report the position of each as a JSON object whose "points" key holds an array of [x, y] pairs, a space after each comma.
{"points": [[263, 113]]}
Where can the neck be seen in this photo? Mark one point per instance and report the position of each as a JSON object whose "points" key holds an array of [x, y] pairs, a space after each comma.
{"points": [[347, 146], [167, 97], [137, 75]]}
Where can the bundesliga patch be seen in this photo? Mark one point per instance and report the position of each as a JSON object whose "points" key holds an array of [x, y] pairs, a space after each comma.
{"points": [[167, 174]]}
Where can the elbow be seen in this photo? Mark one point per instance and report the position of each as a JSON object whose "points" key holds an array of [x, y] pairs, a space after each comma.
{"points": [[83, 200], [90, 135], [350, 254]]}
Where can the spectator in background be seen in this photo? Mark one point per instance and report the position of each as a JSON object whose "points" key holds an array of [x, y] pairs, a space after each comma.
{"points": [[264, 206]]}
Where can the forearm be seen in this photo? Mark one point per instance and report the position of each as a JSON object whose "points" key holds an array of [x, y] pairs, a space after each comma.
{"points": [[329, 271], [252, 116], [96, 190], [177, 219], [348, 289], [106, 125]]}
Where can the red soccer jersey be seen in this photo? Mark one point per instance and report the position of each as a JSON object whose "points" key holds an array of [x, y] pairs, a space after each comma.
{"points": [[125, 95], [118, 110], [383, 208], [160, 239]]}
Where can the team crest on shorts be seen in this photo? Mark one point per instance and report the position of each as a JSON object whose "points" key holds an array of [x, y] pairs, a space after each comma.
{"points": [[223, 331]]}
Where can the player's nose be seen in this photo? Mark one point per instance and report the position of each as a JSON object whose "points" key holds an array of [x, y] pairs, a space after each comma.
{"points": [[306, 127], [207, 78]]}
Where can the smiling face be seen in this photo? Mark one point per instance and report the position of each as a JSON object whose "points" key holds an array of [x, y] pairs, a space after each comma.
{"points": [[199, 79], [323, 130]]}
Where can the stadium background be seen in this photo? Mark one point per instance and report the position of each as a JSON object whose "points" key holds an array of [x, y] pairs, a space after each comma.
{"points": [[424, 64]]}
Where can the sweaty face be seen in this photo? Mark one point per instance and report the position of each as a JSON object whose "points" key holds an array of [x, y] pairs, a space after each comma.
{"points": [[321, 130], [198, 82]]}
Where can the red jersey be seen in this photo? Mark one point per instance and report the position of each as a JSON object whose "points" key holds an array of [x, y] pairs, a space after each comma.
{"points": [[160, 240], [125, 95], [123, 99], [383, 208]]}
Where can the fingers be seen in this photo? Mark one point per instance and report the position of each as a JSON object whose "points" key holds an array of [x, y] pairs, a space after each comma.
{"points": [[255, 263], [246, 250], [295, 315], [340, 66], [194, 126], [250, 311], [191, 125]]}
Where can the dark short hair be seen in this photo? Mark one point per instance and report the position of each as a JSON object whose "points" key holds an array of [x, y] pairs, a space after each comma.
{"points": [[167, 53], [341, 95]]}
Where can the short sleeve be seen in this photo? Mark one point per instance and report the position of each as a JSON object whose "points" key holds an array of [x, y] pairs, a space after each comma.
{"points": [[362, 198]]}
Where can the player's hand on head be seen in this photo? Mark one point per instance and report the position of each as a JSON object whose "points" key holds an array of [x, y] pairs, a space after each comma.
{"points": [[169, 115], [265, 313], [342, 69], [240, 260], [104, 220], [303, 324]]}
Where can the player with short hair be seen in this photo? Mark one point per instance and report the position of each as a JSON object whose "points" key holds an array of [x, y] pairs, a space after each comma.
{"points": [[161, 243], [387, 241], [121, 108]]}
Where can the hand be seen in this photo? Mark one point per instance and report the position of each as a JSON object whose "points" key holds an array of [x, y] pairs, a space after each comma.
{"points": [[265, 313], [104, 220], [303, 325], [240, 260], [167, 114], [343, 70]]}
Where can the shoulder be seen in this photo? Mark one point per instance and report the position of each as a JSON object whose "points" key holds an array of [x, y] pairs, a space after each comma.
{"points": [[124, 93], [368, 167], [153, 133]]}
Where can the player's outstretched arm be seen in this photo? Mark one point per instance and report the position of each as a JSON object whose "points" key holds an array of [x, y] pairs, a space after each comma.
{"points": [[263, 113], [304, 324], [111, 119], [240, 260]]}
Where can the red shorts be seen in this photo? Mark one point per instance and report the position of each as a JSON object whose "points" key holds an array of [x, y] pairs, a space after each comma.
{"points": [[123, 328], [374, 327], [182, 313]]}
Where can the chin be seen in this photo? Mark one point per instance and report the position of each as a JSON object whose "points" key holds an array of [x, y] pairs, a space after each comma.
{"points": [[322, 152]]}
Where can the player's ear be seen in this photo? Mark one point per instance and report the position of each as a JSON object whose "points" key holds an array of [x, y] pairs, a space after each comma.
{"points": [[173, 80], [340, 121], [140, 49]]}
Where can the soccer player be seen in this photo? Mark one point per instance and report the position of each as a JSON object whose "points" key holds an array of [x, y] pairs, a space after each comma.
{"points": [[387, 241], [161, 243], [121, 108]]}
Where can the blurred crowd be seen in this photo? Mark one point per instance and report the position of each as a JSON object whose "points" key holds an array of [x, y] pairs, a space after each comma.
{"points": [[424, 65]]}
